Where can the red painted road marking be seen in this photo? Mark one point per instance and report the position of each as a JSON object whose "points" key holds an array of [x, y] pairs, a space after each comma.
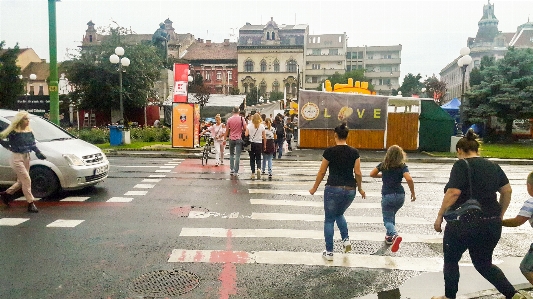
{"points": [[228, 276]]}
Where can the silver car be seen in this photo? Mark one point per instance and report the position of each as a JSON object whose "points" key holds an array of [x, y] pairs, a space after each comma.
{"points": [[70, 164]]}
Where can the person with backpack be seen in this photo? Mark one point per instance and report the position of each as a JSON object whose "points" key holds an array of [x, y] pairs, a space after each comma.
{"points": [[270, 148], [280, 135]]}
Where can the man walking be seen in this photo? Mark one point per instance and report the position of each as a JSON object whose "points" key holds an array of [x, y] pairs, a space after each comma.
{"points": [[234, 129]]}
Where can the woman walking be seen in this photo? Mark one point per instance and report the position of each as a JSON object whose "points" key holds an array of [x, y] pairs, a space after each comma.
{"points": [[256, 131], [21, 143], [218, 132], [479, 235], [392, 170], [270, 147], [345, 175]]}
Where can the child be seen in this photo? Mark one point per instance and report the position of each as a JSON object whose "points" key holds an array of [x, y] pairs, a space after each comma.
{"points": [[392, 170], [525, 214]]}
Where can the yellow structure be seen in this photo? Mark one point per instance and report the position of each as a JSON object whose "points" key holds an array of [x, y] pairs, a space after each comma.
{"points": [[350, 87]]}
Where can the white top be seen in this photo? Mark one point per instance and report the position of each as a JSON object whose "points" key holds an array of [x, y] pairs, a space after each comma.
{"points": [[217, 132], [256, 135], [270, 133]]}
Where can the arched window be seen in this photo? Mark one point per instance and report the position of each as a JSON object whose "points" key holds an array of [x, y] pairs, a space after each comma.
{"points": [[276, 65], [248, 66], [273, 35], [268, 35], [275, 86], [291, 66], [245, 87], [263, 66]]}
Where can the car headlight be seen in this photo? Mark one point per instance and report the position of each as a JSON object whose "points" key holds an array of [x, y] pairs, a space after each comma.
{"points": [[73, 160], [104, 157]]}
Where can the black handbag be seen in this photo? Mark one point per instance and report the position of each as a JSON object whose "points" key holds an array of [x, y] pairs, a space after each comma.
{"points": [[245, 139], [468, 211]]}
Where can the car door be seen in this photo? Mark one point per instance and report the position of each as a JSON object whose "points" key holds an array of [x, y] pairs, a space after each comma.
{"points": [[7, 176]]}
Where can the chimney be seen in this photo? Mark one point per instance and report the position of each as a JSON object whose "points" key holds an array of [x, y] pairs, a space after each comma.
{"points": [[226, 41], [208, 42]]}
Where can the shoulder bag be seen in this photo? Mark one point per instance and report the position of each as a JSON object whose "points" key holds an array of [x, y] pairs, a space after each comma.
{"points": [[470, 210]]}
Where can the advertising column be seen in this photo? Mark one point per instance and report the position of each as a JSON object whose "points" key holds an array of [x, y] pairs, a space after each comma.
{"points": [[185, 116]]}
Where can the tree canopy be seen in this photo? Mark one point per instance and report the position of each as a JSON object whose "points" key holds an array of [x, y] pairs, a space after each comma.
{"points": [[505, 89], [11, 85], [96, 79], [435, 89], [411, 85]]}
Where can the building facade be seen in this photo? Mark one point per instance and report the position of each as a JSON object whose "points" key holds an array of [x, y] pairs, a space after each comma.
{"points": [[271, 57], [381, 65], [489, 41], [216, 63], [325, 55]]}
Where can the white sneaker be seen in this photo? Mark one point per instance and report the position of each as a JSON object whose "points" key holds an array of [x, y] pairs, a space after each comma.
{"points": [[328, 256], [347, 245], [253, 176], [522, 295], [258, 173]]}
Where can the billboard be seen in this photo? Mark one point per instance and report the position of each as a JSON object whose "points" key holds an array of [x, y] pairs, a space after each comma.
{"points": [[185, 125], [181, 75], [326, 110]]}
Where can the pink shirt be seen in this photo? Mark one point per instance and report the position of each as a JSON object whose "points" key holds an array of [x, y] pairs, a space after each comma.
{"points": [[235, 125]]}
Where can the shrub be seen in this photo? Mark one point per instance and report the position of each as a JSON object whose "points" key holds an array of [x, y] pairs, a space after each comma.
{"points": [[92, 135], [101, 135]]}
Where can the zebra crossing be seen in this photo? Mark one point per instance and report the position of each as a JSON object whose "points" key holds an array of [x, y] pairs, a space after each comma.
{"points": [[292, 179], [140, 189]]}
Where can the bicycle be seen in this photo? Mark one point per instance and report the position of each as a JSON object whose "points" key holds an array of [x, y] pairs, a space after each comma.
{"points": [[207, 150]]}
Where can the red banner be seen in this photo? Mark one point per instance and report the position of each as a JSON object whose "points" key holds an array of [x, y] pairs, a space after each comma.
{"points": [[181, 74]]}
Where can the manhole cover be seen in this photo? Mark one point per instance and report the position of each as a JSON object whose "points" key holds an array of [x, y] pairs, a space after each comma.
{"points": [[165, 283]]}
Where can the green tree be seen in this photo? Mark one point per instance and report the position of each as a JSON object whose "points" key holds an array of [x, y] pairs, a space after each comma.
{"points": [[435, 89], [252, 97], [200, 91], [356, 75], [505, 90], [411, 85], [96, 80], [11, 85], [276, 95]]}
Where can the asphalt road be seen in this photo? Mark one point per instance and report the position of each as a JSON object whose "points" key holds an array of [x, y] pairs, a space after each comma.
{"points": [[171, 228]]}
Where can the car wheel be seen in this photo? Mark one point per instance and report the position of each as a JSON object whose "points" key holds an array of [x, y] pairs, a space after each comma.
{"points": [[44, 182]]}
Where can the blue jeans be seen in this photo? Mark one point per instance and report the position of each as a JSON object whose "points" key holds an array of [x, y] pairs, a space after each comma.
{"points": [[235, 149], [267, 159], [279, 147], [390, 204], [336, 201]]}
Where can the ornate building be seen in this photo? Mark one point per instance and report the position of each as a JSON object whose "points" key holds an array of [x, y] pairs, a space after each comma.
{"points": [[270, 57], [489, 41]]}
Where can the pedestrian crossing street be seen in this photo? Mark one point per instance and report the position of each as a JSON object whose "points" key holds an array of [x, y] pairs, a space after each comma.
{"points": [[138, 190]]}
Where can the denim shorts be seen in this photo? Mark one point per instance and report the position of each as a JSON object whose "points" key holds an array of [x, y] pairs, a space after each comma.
{"points": [[526, 266]]}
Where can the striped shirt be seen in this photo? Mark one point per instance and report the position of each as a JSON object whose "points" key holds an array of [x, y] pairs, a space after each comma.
{"points": [[527, 210]]}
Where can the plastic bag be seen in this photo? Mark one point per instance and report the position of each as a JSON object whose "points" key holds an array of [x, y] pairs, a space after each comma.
{"points": [[285, 147]]}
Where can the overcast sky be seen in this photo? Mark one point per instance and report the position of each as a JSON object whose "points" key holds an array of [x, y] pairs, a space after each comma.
{"points": [[431, 31]]}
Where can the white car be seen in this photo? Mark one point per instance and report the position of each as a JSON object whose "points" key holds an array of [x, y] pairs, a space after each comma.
{"points": [[70, 163]]}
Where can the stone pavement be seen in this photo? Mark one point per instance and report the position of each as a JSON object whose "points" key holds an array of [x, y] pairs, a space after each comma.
{"points": [[471, 284]]}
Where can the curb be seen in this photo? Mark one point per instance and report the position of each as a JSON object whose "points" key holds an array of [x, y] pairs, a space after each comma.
{"points": [[493, 292]]}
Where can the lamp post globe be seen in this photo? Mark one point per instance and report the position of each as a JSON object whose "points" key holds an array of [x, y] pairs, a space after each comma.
{"points": [[122, 63]]}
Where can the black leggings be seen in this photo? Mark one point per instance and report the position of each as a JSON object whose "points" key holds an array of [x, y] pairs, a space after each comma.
{"points": [[255, 156], [480, 240]]}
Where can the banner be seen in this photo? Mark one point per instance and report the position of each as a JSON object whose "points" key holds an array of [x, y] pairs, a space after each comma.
{"points": [[326, 110], [183, 127], [181, 75]]}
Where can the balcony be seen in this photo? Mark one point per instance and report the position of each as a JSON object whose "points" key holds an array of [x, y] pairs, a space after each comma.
{"points": [[383, 61], [382, 74], [324, 58]]}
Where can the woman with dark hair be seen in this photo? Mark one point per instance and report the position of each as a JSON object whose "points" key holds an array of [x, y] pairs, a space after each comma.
{"points": [[344, 176], [481, 234]]}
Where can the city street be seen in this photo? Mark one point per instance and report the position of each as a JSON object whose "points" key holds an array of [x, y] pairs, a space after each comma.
{"points": [[172, 228]]}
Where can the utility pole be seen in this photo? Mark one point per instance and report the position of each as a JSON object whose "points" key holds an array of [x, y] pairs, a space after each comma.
{"points": [[52, 43]]}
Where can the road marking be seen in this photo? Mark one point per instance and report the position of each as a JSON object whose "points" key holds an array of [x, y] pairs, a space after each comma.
{"points": [[120, 199], [151, 180], [306, 258], [144, 186], [164, 166], [351, 219], [298, 192], [157, 176], [12, 221], [65, 223], [136, 193], [178, 159], [163, 170], [300, 234], [316, 204], [73, 198]]}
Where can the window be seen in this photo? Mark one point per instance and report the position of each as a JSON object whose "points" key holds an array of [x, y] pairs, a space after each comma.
{"points": [[263, 66], [273, 36], [219, 75], [230, 74], [360, 55], [291, 66], [316, 52], [333, 51], [276, 65], [248, 66], [208, 76], [315, 66], [314, 79], [268, 35]]}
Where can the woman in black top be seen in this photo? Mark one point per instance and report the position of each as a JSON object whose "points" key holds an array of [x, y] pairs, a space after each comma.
{"points": [[21, 143], [480, 236], [344, 176]]}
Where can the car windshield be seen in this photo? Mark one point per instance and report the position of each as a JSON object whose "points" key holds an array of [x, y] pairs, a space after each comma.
{"points": [[45, 131]]}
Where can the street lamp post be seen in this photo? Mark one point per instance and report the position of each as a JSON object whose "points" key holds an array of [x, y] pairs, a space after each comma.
{"points": [[463, 63], [122, 63]]}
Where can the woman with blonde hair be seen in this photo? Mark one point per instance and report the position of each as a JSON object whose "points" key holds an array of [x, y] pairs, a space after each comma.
{"points": [[256, 131], [270, 147], [218, 132], [21, 142], [392, 171]]}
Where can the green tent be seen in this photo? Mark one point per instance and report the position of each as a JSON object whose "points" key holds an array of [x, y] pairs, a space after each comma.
{"points": [[436, 127]]}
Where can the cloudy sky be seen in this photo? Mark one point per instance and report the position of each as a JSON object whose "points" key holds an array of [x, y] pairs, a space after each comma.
{"points": [[431, 31]]}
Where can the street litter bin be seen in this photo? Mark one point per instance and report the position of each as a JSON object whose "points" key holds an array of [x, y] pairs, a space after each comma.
{"points": [[115, 135]]}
